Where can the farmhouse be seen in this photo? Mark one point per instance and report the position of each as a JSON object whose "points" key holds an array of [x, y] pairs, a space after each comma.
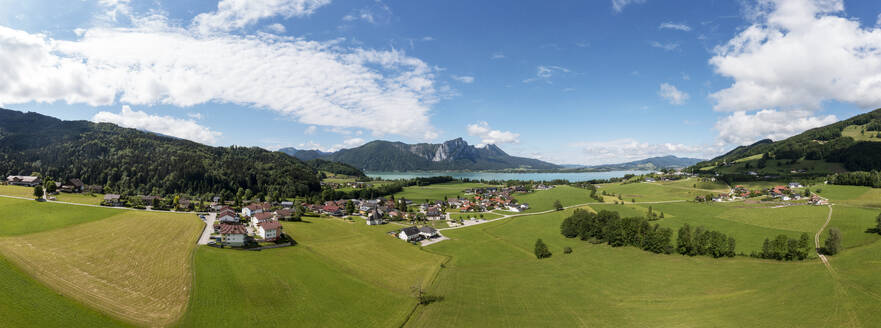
{"points": [[23, 180], [374, 218], [427, 232], [233, 234], [227, 215], [111, 199], [73, 185], [252, 209], [434, 213], [409, 234]]}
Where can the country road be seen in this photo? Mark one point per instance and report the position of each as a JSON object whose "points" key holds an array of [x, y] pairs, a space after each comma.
{"points": [[101, 206], [817, 240]]}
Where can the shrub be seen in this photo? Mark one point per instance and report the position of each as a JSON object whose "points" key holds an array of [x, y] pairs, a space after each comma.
{"points": [[567, 250], [541, 250]]}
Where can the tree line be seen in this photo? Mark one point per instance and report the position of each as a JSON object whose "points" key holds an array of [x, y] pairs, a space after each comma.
{"points": [[609, 227], [859, 178]]}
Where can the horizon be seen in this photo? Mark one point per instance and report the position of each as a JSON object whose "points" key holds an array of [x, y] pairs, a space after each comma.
{"points": [[575, 83]]}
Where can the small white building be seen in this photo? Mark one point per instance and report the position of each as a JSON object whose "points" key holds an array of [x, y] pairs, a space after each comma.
{"points": [[374, 218], [427, 232], [409, 234], [252, 209]]}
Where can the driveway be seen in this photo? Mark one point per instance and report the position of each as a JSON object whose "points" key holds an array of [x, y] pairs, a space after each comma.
{"points": [[209, 228]]}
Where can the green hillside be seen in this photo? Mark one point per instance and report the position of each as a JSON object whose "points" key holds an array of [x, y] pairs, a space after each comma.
{"points": [[849, 145]]}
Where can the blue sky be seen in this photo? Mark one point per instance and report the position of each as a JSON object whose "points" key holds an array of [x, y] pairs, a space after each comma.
{"points": [[583, 82]]}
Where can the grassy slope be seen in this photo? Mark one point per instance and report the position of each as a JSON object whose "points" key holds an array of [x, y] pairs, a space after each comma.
{"points": [[24, 302], [134, 265], [543, 200], [494, 280], [341, 274], [17, 191], [651, 192], [28, 192], [19, 217], [436, 191]]}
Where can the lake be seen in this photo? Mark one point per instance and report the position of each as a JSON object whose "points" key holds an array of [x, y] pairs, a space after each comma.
{"points": [[573, 177]]}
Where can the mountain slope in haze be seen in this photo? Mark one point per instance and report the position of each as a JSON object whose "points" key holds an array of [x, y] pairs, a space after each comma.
{"points": [[653, 163], [135, 162], [853, 144], [304, 155], [455, 154]]}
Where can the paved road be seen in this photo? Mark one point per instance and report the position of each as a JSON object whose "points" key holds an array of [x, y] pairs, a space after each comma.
{"points": [[209, 228], [817, 240]]}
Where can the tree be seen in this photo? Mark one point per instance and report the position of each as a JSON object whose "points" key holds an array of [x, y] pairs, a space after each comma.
{"points": [[50, 186], [684, 240], [38, 192], [558, 206], [541, 250], [878, 224], [833, 242], [569, 227], [350, 207], [804, 246]]}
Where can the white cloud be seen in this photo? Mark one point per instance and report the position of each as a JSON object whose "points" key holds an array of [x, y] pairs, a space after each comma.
{"points": [[236, 14], [463, 78], [427, 38], [277, 28], [378, 13], [115, 9], [741, 128], [674, 26], [167, 125], [310, 130], [618, 5], [798, 54], [625, 150], [672, 94], [669, 46], [497, 55], [544, 73], [353, 142], [197, 116], [489, 136], [318, 83]]}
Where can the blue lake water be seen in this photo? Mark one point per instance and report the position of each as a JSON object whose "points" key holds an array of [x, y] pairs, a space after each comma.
{"points": [[573, 177]]}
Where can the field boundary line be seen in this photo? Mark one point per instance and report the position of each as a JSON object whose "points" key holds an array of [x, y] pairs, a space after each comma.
{"points": [[817, 241]]}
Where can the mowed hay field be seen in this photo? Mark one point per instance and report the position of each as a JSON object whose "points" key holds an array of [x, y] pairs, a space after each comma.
{"points": [[341, 274], [493, 280], [437, 191], [24, 302], [134, 265]]}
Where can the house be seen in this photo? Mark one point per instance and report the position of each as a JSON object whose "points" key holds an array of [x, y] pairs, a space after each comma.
{"points": [[269, 230], [111, 199], [514, 208], [23, 180], [73, 185], [374, 218], [233, 234], [97, 189], [227, 216], [261, 217], [434, 213], [795, 185], [284, 214], [428, 232], [332, 209], [287, 204], [252, 209], [409, 234]]}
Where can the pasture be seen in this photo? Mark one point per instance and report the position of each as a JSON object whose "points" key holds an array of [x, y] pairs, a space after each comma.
{"points": [[133, 265], [17, 191], [493, 279], [437, 191], [19, 216], [340, 274]]}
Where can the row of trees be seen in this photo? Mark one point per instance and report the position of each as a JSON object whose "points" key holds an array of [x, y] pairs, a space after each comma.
{"points": [[704, 242], [859, 178], [609, 227], [785, 248]]}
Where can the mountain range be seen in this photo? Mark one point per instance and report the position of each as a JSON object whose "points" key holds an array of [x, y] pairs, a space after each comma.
{"points": [[454, 154], [648, 164]]}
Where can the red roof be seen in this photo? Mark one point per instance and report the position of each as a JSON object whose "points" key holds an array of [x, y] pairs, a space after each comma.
{"points": [[254, 207], [263, 216], [270, 225], [230, 229]]}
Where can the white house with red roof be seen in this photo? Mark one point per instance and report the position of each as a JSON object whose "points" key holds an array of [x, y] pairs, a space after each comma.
{"points": [[233, 234], [252, 209], [269, 230]]}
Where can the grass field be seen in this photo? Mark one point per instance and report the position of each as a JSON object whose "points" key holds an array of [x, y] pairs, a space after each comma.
{"points": [[133, 265], [19, 217], [855, 132], [17, 191], [340, 274], [24, 302], [651, 192], [543, 200], [494, 280], [93, 199], [436, 191]]}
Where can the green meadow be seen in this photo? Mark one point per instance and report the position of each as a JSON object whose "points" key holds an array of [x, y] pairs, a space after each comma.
{"points": [[19, 217], [341, 274], [543, 200], [437, 191]]}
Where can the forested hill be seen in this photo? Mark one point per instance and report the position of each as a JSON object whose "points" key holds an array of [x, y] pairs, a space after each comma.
{"points": [[855, 143], [454, 154], [129, 161]]}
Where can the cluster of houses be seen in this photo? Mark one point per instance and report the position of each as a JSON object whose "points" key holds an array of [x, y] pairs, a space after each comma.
{"points": [[412, 234], [259, 220], [780, 192], [352, 184], [488, 199]]}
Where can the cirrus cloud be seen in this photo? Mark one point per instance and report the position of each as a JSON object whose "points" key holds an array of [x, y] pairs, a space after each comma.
{"points": [[672, 94]]}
